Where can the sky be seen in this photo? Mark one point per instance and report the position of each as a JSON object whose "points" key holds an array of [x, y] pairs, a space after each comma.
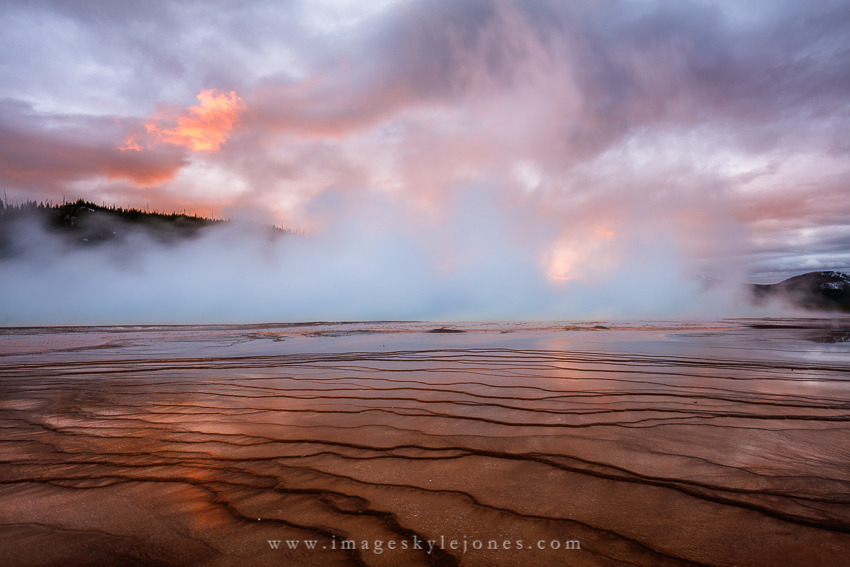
{"points": [[443, 159]]}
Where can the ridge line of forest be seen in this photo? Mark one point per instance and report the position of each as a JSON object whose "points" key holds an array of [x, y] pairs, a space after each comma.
{"points": [[72, 216]]}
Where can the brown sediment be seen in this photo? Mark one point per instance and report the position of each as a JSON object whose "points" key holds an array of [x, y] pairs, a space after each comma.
{"points": [[717, 447]]}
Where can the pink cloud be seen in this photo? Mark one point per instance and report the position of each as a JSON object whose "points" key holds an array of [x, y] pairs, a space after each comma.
{"points": [[204, 127]]}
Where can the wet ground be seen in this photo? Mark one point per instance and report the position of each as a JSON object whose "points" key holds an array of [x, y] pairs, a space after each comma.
{"points": [[601, 443]]}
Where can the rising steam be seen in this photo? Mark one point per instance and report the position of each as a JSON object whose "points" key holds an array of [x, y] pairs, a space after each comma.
{"points": [[478, 264]]}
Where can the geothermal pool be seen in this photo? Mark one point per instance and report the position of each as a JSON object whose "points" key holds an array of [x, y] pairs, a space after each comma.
{"points": [[604, 443]]}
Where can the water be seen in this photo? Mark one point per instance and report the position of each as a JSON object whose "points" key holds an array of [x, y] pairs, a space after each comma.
{"points": [[643, 443]]}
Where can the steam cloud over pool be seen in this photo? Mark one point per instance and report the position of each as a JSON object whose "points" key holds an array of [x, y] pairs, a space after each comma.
{"points": [[445, 159]]}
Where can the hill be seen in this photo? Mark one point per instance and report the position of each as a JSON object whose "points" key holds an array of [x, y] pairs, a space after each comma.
{"points": [[818, 291], [83, 223]]}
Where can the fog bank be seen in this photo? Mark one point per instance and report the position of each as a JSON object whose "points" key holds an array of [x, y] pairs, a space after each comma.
{"points": [[489, 263]]}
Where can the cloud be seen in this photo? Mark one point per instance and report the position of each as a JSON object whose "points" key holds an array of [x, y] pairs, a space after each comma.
{"points": [[47, 154], [718, 127], [204, 127]]}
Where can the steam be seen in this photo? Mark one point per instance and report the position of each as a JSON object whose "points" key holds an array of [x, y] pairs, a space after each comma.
{"points": [[479, 264], [446, 160]]}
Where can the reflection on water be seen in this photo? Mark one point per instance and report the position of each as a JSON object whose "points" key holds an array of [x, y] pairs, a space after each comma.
{"points": [[542, 444], [832, 336]]}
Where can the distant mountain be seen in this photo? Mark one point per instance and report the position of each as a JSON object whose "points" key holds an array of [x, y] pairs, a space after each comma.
{"points": [[819, 291]]}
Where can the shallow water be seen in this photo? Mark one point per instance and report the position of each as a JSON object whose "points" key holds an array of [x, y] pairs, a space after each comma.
{"points": [[649, 443]]}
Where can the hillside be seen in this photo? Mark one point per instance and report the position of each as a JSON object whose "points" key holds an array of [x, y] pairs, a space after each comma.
{"points": [[820, 291], [85, 224]]}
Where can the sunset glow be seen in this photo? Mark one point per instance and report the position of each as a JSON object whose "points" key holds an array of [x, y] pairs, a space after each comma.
{"points": [[347, 282], [204, 127], [454, 155]]}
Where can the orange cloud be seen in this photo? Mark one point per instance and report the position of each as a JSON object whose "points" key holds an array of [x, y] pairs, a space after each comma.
{"points": [[205, 126], [130, 144]]}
